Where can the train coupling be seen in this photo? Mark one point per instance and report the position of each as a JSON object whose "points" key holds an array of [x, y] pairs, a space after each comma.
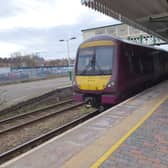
{"points": [[90, 101]]}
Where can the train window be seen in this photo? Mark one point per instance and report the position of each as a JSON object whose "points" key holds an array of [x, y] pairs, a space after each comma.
{"points": [[135, 62], [95, 61], [104, 57], [130, 60], [165, 62], [85, 60], [148, 63]]}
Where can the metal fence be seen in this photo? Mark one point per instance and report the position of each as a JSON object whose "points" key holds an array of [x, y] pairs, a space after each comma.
{"points": [[28, 73]]}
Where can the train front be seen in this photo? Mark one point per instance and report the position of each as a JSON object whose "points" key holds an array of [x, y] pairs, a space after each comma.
{"points": [[93, 81]]}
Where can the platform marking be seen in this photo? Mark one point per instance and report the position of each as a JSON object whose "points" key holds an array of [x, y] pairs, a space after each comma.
{"points": [[107, 154]]}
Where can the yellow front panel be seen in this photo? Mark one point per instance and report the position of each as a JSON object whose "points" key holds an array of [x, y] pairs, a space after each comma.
{"points": [[92, 82]]}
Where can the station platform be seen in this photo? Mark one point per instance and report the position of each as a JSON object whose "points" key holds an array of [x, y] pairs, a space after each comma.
{"points": [[132, 134], [12, 94]]}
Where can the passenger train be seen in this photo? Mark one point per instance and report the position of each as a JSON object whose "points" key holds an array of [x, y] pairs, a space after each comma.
{"points": [[109, 70]]}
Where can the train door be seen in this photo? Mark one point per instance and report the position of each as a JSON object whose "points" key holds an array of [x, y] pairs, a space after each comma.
{"points": [[157, 65]]}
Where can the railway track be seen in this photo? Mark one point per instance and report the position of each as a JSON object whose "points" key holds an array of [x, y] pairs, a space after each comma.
{"points": [[21, 120], [11, 125]]}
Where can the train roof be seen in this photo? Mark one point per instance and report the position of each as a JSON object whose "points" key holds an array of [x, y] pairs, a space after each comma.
{"points": [[119, 40]]}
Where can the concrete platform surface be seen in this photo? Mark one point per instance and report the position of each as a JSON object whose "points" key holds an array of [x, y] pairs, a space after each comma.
{"points": [[147, 147], [15, 93], [85, 145]]}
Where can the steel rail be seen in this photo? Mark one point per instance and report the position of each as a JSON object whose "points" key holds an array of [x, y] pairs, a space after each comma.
{"points": [[43, 138], [40, 118], [35, 111]]}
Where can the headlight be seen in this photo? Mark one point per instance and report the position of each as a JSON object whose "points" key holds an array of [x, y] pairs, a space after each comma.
{"points": [[111, 84]]}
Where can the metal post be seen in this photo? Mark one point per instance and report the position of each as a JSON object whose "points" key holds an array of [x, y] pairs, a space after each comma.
{"points": [[67, 41], [68, 54], [67, 44]]}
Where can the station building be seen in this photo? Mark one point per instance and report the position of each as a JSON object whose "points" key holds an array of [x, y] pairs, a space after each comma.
{"points": [[123, 31]]}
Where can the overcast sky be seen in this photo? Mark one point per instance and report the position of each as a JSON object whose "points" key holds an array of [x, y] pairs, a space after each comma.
{"points": [[38, 25]]}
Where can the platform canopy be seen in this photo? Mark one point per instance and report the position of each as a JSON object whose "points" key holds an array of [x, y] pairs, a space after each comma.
{"points": [[150, 16]]}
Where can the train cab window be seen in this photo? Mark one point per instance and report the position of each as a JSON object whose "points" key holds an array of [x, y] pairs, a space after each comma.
{"points": [[85, 60], [104, 57], [95, 61]]}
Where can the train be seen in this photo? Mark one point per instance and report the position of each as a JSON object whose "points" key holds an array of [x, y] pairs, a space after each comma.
{"points": [[109, 70]]}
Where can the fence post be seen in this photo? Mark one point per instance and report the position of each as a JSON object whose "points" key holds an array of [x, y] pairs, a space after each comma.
{"points": [[70, 75]]}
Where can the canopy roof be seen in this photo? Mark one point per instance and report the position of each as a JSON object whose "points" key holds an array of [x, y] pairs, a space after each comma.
{"points": [[150, 16]]}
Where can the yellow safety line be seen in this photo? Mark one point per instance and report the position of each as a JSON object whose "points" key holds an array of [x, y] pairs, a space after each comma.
{"points": [[107, 154]]}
